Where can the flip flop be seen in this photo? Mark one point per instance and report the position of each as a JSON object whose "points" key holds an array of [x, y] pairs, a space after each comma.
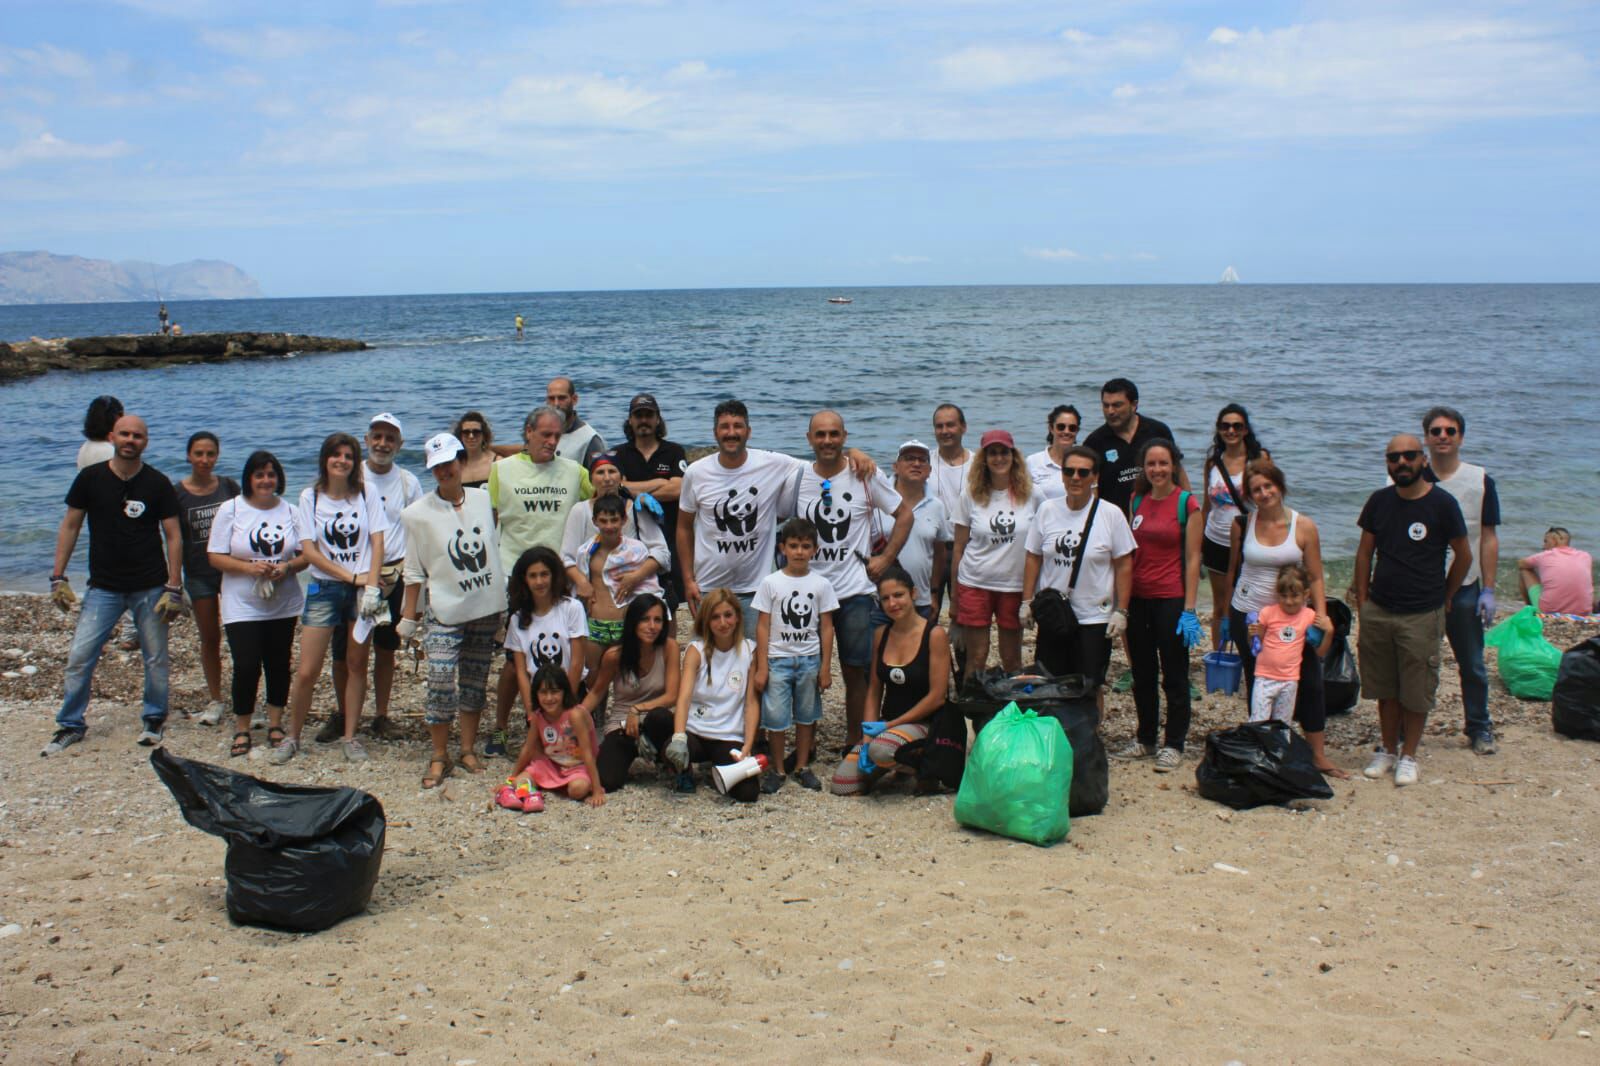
{"points": [[241, 744], [432, 780]]}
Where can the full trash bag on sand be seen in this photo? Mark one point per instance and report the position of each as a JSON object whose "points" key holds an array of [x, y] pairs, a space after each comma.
{"points": [[1341, 677], [1575, 702], [1017, 779], [1069, 699], [1527, 662], [299, 858], [1259, 763]]}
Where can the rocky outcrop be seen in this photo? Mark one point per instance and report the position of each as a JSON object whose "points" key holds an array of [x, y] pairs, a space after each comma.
{"points": [[27, 358]]}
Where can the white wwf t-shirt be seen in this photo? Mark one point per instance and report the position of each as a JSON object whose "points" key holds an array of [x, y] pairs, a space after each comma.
{"points": [[397, 489], [929, 523], [547, 638], [255, 535], [997, 531], [844, 525], [1045, 473], [1056, 536], [716, 705], [735, 515], [795, 606], [341, 529]]}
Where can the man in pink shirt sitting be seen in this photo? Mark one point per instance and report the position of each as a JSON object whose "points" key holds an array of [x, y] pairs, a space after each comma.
{"points": [[1565, 574]]}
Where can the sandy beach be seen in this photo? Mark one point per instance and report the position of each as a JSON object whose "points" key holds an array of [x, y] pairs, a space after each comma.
{"points": [[1450, 922]]}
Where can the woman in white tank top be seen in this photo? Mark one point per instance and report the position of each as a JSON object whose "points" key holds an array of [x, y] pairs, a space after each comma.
{"points": [[1233, 447]]}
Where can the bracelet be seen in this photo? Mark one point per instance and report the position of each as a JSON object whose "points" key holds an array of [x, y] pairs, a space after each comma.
{"points": [[54, 578], [172, 588]]}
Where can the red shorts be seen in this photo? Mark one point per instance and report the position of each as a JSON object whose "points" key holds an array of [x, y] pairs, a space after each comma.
{"points": [[975, 607]]}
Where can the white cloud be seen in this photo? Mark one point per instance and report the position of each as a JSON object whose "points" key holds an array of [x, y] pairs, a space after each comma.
{"points": [[694, 71], [270, 42], [1223, 35], [1053, 255], [49, 60], [47, 147], [1071, 53], [908, 260]]}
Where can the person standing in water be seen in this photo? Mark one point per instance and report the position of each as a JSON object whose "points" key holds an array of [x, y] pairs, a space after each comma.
{"points": [[519, 327]]}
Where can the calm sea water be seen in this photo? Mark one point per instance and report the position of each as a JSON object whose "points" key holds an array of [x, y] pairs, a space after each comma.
{"points": [[1328, 373]]}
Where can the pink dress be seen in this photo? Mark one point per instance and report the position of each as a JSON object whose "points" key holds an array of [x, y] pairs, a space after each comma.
{"points": [[562, 761]]}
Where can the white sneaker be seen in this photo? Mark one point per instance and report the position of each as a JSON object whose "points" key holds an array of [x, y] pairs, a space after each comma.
{"points": [[1382, 762], [1406, 772], [1168, 760], [286, 750], [151, 737], [213, 712], [1134, 750]]}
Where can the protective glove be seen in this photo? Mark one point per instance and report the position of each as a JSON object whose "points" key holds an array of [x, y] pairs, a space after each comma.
{"points": [[61, 594], [406, 628], [1025, 614], [1117, 624], [647, 750], [1486, 607], [873, 729], [266, 588], [171, 607], [1222, 634], [864, 760], [371, 602], [1188, 629], [646, 502], [1255, 642], [677, 752]]}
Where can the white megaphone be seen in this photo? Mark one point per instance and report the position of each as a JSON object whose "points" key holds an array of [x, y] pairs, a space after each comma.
{"points": [[725, 777]]}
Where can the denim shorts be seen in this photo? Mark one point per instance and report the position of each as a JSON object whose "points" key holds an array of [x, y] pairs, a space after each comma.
{"points": [[791, 696], [852, 628], [202, 586], [330, 603]]}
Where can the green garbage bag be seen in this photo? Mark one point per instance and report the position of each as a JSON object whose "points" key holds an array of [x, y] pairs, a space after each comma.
{"points": [[1018, 778], [1528, 662]]}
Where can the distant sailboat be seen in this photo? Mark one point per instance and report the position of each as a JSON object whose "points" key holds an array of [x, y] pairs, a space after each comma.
{"points": [[1229, 277]]}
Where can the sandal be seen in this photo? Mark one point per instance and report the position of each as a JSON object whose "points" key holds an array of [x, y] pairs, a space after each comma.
{"points": [[275, 736], [241, 744], [470, 763], [434, 780]]}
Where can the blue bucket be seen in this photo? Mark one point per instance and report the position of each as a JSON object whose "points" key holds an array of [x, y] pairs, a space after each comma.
{"points": [[1223, 670]]}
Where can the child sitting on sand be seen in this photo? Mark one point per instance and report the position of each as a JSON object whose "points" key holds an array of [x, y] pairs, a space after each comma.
{"points": [[1281, 630], [560, 750]]}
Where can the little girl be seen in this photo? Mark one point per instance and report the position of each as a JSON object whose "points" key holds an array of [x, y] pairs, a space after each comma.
{"points": [[559, 753], [1281, 630]]}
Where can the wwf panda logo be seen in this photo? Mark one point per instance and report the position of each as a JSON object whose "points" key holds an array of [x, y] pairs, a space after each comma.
{"points": [[546, 650], [1003, 523], [833, 523], [797, 610], [897, 675], [268, 539], [550, 736], [343, 530], [1067, 544], [1418, 531], [1286, 634], [735, 515], [468, 552]]}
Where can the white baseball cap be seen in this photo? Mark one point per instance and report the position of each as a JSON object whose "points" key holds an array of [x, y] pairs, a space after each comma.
{"points": [[386, 419], [441, 448], [914, 445]]}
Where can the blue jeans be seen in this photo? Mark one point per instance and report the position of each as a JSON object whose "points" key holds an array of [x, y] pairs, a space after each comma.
{"points": [[1465, 633], [96, 620], [852, 629]]}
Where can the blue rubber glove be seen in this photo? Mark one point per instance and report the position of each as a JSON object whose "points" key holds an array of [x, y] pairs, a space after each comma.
{"points": [[864, 761], [874, 729], [649, 503], [1486, 607], [868, 731], [1255, 642], [1222, 634], [1188, 629]]}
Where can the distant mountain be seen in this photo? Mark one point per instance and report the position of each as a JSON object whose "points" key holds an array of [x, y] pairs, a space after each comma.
{"points": [[46, 278]]}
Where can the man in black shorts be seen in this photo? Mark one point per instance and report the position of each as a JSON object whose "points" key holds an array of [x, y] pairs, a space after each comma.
{"points": [[652, 464], [1120, 440]]}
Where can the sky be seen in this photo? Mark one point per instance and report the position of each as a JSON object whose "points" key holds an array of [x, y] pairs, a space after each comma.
{"points": [[395, 146]]}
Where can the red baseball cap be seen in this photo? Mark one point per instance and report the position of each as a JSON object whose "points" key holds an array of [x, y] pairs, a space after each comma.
{"points": [[997, 436]]}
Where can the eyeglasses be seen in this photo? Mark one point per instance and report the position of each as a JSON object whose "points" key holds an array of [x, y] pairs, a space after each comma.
{"points": [[1443, 431], [471, 432], [922, 459], [1410, 455], [1076, 472], [827, 493], [1066, 427], [1232, 427]]}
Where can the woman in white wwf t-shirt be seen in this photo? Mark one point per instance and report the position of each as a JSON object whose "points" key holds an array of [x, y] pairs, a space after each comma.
{"points": [[254, 545], [341, 524], [997, 507]]}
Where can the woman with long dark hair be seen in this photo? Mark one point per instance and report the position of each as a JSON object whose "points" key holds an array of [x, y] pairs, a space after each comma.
{"points": [[641, 674], [1044, 467], [1233, 446], [199, 496], [477, 437]]}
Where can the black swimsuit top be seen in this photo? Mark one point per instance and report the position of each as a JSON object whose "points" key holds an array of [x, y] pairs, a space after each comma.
{"points": [[903, 686], [477, 484]]}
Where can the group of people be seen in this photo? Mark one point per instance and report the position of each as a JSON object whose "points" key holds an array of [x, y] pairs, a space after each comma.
{"points": [[570, 557]]}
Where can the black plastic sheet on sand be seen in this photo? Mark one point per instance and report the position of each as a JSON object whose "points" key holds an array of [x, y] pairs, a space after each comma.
{"points": [[299, 857], [1069, 699], [1259, 763]]}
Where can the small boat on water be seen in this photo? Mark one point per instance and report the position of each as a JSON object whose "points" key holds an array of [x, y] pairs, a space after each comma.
{"points": [[840, 300], [1229, 277]]}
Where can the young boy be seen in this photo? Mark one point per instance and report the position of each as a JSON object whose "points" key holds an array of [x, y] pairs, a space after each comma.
{"points": [[794, 641], [618, 569]]}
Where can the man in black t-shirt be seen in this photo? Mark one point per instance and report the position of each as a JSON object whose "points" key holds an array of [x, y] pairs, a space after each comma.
{"points": [[1120, 440], [1410, 526], [135, 556], [654, 465]]}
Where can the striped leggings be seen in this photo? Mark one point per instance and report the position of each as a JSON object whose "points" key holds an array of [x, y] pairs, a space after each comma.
{"points": [[458, 666], [849, 780]]}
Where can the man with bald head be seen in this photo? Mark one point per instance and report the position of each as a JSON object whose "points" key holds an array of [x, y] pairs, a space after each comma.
{"points": [[1411, 526], [579, 441], [135, 556]]}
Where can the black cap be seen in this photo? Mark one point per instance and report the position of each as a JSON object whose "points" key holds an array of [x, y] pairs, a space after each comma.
{"points": [[643, 402]]}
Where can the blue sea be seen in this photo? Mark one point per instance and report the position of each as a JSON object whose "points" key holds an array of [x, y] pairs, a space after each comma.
{"points": [[1328, 373]]}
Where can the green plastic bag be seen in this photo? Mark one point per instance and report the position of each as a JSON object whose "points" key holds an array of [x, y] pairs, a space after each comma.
{"points": [[1018, 778], [1528, 662]]}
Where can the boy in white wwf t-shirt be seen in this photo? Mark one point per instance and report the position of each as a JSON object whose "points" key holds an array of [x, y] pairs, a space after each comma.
{"points": [[794, 642]]}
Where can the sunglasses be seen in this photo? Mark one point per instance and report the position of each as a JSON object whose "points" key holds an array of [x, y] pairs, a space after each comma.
{"points": [[1075, 473], [1443, 431], [1232, 427], [466, 432], [827, 493], [1410, 455], [1066, 427]]}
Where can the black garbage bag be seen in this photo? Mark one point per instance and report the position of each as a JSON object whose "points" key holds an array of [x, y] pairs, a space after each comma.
{"points": [[299, 858], [1055, 632], [940, 759], [1069, 699], [1575, 703], [1341, 677], [1259, 763]]}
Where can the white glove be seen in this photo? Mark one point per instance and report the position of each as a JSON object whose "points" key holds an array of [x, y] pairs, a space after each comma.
{"points": [[266, 588], [1117, 625], [406, 628], [371, 602], [1025, 613], [677, 752]]}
